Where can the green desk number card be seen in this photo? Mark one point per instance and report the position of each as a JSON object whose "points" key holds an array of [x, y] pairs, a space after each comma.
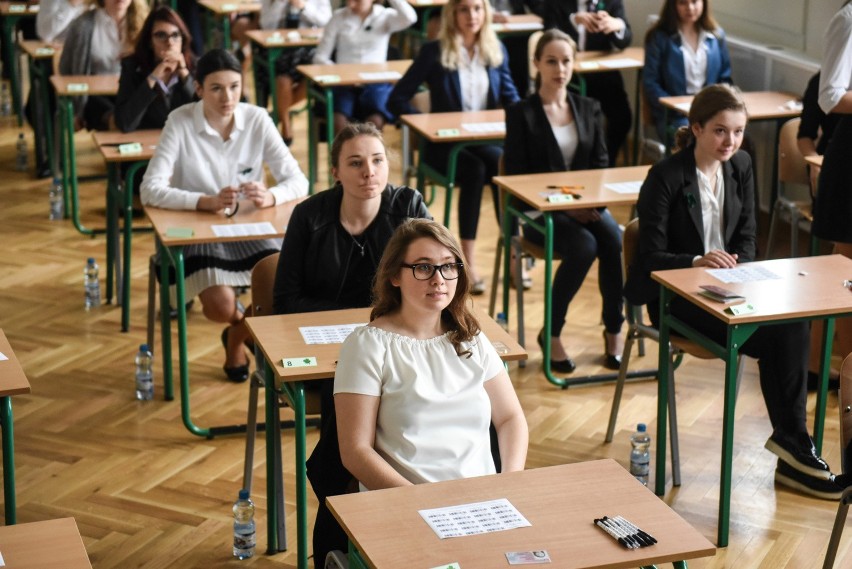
{"points": [[179, 232], [449, 566], [229, 7], [17, 8], [560, 198], [45, 51], [328, 78], [740, 309], [448, 132], [299, 362], [130, 148], [78, 87], [275, 39]]}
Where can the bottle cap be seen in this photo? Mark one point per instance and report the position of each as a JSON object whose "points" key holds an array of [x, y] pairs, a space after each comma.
{"points": [[90, 260], [143, 348], [244, 494], [641, 427]]}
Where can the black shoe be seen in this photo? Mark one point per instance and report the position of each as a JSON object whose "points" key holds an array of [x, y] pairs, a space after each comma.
{"points": [[173, 313], [562, 366], [800, 455], [237, 374], [827, 489], [813, 382], [611, 361]]}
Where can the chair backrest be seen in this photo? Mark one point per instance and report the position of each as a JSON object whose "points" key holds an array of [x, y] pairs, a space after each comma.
{"points": [[792, 168], [846, 414], [629, 244], [262, 282]]}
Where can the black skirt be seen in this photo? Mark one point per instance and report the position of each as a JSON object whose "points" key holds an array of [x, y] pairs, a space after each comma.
{"points": [[833, 205]]}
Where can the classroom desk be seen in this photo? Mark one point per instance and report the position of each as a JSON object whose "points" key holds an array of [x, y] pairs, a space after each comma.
{"points": [[321, 80], [447, 128], [10, 14], [223, 10], [518, 25], [814, 160], [594, 193], [386, 530], [40, 55], [108, 144], [279, 337], [810, 288], [49, 544], [67, 87], [170, 248], [276, 42], [12, 382]]}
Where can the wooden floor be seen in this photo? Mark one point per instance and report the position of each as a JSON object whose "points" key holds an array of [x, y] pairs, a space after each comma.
{"points": [[146, 493]]}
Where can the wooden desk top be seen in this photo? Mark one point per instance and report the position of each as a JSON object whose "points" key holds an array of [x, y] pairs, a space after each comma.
{"points": [[51, 544], [223, 7], [108, 141], [20, 9], [201, 222], [97, 84], [560, 502], [282, 38], [808, 287], [427, 3], [12, 378], [530, 187], [279, 337], [37, 49], [518, 23], [761, 105], [814, 160], [427, 125], [350, 73], [599, 61]]}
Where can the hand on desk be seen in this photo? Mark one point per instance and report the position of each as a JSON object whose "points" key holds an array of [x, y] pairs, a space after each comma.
{"points": [[717, 260], [606, 24], [258, 193]]}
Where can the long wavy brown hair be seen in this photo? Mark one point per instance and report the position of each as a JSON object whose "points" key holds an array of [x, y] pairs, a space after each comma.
{"points": [[707, 104], [136, 14], [387, 298], [144, 51], [669, 20]]}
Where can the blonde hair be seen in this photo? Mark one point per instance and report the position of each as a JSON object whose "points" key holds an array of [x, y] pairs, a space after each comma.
{"points": [[490, 48], [135, 19]]}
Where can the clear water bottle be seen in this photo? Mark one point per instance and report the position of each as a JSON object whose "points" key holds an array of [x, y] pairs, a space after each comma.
{"points": [[144, 374], [93, 285], [640, 454], [57, 208], [502, 321], [244, 527], [21, 154], [5, 101]]}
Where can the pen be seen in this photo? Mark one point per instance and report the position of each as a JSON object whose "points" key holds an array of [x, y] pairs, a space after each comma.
{"points": [[563, 188]]}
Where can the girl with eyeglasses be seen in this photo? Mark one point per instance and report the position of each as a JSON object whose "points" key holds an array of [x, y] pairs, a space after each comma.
{"points": [[157, 77]]}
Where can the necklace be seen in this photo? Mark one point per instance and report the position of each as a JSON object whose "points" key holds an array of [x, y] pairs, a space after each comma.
{"points": [[344, 222], [360, 246]]}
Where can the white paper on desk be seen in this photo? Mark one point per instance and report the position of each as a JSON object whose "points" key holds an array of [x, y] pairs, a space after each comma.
{"points": [[684, 106], [618, 63], [522, 26], [2, 561], [3, 357], [625, 187], [379, 75], [243, 229], [484, 126], [327, 334], [744, 274], [474, 519]]}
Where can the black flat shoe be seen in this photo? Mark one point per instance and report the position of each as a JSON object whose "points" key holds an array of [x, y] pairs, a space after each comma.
{"points": [[611, 361], [561, 366], [248, 342], [237, 374]]}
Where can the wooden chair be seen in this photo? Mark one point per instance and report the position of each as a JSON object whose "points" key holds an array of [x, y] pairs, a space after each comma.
{"points": [[846, 458], [638, 330], [792, 169]]}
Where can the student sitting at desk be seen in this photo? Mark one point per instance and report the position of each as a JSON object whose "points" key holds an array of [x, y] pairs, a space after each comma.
{"points": [[466, 69], [417, 387], [95, 43], [359, 33], [211, 154], [333, 245], [696, 209], [157, 77], [55, 16], [554, 131]]}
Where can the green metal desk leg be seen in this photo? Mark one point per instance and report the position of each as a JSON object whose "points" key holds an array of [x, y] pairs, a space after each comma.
{"points": [[111, 232], [128, 241], [295, 392], [822, 394], [272, 54], [44, 88], [8, 460], [63, 110], [9, 24], [662, 393], [272, 513], [69, 167], [313, 95], [165, 323], [226, 31], [355, 559], [508, 216]]}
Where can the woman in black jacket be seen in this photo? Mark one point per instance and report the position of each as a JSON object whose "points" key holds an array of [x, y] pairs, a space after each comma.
{"points": [[554, 131]]}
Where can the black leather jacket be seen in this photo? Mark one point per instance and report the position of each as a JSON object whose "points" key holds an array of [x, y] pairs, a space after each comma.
{"points": [[312, 268]]}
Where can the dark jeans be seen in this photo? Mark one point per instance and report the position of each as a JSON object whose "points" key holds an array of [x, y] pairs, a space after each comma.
{"points": [[579, 244]]}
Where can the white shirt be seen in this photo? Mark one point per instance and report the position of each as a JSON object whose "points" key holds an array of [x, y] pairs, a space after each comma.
{"points": [[836, 76], [473, 78], [694, 62], [712, 194], [105, 45], [273, 14], [567, 138], [434, 414], [54, 16], [365, 41], [192, 160]]}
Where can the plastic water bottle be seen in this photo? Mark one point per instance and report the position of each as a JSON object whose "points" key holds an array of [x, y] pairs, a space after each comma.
{"points": [[244, 527], [502, 321], [640, 454], [57, 209], [93, 285], [5, 101], [21, 155], [144, 374]]}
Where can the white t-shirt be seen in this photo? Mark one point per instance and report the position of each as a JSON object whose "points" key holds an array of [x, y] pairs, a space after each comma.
{"points": [[434, 414]]}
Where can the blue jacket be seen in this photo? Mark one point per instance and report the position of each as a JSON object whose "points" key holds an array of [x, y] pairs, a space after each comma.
{"points": [[444, 86], [664, 74]]}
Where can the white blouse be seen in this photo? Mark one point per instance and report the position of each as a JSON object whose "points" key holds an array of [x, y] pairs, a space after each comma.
{"points": [[695, 63], [106, 45], [567, 138], [192, 160], [712, 194], [434, 415], [273, 14], [54, 17], [836, 76], [473, 78]]}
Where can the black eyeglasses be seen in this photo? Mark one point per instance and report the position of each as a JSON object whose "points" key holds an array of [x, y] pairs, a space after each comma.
{"points": [[165, 36], [424, 271]]}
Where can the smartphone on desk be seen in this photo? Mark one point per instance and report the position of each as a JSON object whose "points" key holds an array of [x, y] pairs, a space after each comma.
{"points": [[719, 294]]}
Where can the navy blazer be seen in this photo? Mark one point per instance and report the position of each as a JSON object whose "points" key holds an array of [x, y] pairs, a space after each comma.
{"points": [[444, 85], [557, 14], [664, 74], [531, 147], [671, 228]]}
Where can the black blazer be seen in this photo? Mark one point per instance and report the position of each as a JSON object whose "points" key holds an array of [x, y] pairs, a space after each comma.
{"points": [[535, 6], [137, 106], [557, 14], [531, 147], [671, 229]]}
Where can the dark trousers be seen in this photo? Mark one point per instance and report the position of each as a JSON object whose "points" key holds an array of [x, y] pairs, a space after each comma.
{"points": [[579, 244], [608, 89], [519, 65], [781, 351]]}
